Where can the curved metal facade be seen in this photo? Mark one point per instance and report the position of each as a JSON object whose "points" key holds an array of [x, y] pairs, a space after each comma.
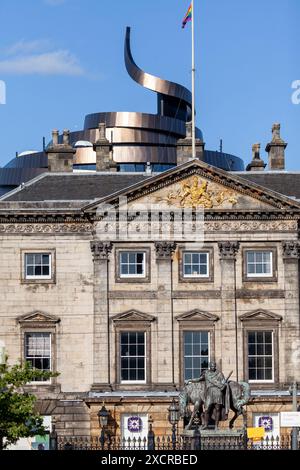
{"points": [[137, 138]]}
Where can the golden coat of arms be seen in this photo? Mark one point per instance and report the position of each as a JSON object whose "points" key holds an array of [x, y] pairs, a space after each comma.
{"points": [[197, 193]]}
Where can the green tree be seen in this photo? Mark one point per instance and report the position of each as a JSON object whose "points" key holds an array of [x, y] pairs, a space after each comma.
{"points": [[18, 417]]}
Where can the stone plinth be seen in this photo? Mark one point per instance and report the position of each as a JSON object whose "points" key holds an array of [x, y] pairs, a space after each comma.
{"points": [[210, 439]]}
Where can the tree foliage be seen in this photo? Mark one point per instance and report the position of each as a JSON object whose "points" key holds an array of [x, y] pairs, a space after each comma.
{"points": [[18, 417]]}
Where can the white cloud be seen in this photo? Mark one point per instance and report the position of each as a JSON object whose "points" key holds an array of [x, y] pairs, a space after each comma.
{"points": [[27, 47], [60, 62]]}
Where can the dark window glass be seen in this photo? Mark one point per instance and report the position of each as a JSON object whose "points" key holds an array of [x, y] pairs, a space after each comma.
{"points": [[260, 355], [196, 353], [38, 350], [132, 362]]}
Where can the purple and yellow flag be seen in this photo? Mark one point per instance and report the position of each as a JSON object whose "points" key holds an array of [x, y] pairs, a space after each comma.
{"points": [[188, 16]]}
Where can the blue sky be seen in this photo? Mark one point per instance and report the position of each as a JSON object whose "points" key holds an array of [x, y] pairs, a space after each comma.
{"points": [[63, 59]]}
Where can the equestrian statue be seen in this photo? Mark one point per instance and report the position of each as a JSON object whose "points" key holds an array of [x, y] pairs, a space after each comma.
{"points": [[213, 396]]}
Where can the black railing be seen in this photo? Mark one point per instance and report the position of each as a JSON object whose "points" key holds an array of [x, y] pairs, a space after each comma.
{"points": [[166, 443]]}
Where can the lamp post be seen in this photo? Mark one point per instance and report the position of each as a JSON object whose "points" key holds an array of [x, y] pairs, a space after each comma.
{"points": [[293, 392], [103, 420], [173, 419], [53, 436]]}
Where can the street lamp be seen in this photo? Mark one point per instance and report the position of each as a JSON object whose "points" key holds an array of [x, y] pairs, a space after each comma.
{"points": [[173, 419], [103, 420]]}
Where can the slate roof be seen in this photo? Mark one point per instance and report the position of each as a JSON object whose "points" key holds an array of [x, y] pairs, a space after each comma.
{"points": [[75, 186], [283, 182], [90, 186]]}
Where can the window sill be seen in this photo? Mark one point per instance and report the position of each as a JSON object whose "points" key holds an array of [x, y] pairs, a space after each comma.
{"points": [[37, 280]]}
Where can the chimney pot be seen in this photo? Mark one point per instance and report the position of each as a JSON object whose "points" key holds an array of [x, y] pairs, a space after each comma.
{"points": [[55, 137], [66, 137]]}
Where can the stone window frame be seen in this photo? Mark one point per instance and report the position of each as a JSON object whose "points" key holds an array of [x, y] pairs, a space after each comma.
{"points": [[40, 323], [259, 248], [37, 280], [133, 279], [182, 278], [262, 324], [131, 324], [195, 324]]}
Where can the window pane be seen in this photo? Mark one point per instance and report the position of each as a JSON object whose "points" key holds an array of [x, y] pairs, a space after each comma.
{"points": [[140, 258], [188, 270], [46, 271], [203, 270], [124, 258], [195, 258], [141, 338], [139, 269], [132, 258], [196, 353], [250, 257], [132, 355], [37, 350], [45, 259], [29, 259], [30, 271], [187, 258], [260, 359], [38, 259]]}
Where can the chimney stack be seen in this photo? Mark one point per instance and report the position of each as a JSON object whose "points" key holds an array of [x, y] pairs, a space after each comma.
{"points": [[103, 148], [184, 147], [276, 150], [60, 156], [257, 163]]}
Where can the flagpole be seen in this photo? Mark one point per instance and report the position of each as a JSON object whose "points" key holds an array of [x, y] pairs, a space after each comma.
{"points": [[193, 84]]}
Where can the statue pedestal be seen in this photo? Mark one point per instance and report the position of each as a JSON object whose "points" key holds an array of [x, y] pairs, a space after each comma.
{"points": [[211, 439]]}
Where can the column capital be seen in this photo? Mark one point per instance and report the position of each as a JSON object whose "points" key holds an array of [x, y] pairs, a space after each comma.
{"points": [[228, 250], [164, 250], [101, 250], [291, 249]]}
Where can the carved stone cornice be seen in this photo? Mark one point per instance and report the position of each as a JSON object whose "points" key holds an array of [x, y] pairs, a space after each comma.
{"points": [[46, 228], [164, 250], [228, 250], [291, 249], [101, 250]]}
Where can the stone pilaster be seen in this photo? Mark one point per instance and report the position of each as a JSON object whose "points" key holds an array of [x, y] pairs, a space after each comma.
{"points": [[228, 317], [165, 334], [291, 320], [101, 334]]}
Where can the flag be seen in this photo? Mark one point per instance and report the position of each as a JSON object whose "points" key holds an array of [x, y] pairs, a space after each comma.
{"points": [[188, 16]]}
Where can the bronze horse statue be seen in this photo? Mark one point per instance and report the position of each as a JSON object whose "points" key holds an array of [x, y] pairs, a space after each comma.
{"points": [[194, 393]]}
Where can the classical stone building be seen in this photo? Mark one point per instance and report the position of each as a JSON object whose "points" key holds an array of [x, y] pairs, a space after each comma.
{"points": [[126, 307]]}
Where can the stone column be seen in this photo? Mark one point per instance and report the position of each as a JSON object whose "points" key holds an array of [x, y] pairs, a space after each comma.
{"points": [[101, 334], [289, 337], [165, 331], [229, 348]]}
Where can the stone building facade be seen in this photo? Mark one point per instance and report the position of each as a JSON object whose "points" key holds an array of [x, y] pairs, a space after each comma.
{"points": [[126, 319]]}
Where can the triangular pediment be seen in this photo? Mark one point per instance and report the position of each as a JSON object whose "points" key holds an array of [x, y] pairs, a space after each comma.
{"points": [[198, 185], [38, 317], [260, 314], [133, 316], [197, 315]]}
